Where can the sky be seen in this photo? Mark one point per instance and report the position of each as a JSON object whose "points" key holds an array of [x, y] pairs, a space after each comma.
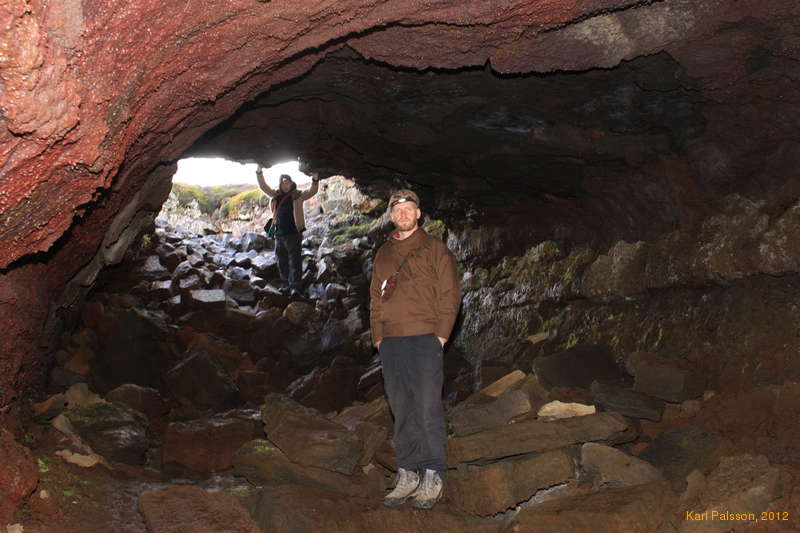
{"points": [[211, 172]]}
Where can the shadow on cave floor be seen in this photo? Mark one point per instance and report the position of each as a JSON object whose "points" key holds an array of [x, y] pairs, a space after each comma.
{"points": [[195, 396]]}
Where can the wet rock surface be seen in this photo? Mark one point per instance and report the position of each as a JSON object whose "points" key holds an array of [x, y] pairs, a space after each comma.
{"points": [[544, 427]]}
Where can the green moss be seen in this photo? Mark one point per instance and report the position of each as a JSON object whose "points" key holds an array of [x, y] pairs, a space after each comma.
{"points": [[660, 337], [263, 446], [435, 227], [208, 198], [42, 465], [232, 206], [572, 340], [349, 226]]}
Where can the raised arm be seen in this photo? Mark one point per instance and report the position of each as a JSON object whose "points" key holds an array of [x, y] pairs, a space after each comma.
{"points": [[263, 184], [311, 191]]}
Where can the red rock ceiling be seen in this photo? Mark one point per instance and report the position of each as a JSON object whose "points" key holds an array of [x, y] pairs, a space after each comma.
{"points": [[99, 98]]}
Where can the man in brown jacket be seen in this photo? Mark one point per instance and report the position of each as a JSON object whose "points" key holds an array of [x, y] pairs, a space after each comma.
{"points": [[414, 299]]}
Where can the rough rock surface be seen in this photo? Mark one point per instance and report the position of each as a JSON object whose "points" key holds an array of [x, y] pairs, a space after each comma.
{"points": [[18, 476], [619, 510], [83, 141], [183, 508]]}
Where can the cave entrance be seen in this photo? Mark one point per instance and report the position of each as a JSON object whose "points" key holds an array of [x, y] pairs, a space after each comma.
{"points": [[219, 196]]}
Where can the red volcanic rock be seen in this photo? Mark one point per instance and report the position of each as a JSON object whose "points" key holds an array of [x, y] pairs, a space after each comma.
{"points": [[206, 445], [100, 98], [18, 475]]}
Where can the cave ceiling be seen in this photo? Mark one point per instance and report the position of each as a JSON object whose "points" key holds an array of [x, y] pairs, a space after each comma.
{"points": [[492, 140], [499, 103]]}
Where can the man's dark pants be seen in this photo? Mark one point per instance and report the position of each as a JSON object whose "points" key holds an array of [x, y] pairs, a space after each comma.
{"points": [[412, 377], [290, 263]]}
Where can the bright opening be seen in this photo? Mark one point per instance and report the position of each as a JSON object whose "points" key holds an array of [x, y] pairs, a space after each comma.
{"points": [[215, 195]]}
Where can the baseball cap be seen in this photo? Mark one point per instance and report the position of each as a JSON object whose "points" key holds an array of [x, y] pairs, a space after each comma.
{"points": [[403, 195]]}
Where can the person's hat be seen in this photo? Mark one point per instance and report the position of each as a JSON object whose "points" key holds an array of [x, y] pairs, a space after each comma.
{"points": [[403, 195], [285, 177]]}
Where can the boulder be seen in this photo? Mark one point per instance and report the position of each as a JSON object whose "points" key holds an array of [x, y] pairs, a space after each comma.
{"points": [[491, 489], [673, 380], [627, 402], [609, 466], [578, 367], [201, 382], [151, 270], [263, 464], [335, 291], [203, 299], [308, 438], [131, 349], [253, 386], [160, 290], [231, 356], [243, 260], [327, 389], [146, 400], [195, 259], [184, 270], [242, 291], [114, 431], [538, 436], [266, 266], [183, 508], [237, 272], [251, 240], [205, 445], [18, 475], [298, 313], [188, 283], [222, 260], [376, 411], [644, 508]]}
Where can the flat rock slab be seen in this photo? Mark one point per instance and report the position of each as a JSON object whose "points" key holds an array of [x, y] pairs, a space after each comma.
{"points": [[289, 509], [263, 464], [205, 445], [308, 438], [492, 489], [648, 508], [190, 509], [538, 436], [627, 402], [206, 299], [610, 466], [476, 418]]}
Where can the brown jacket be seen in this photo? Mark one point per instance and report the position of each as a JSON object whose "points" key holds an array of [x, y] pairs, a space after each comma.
{"points": [[298, 197], [428, 292]]}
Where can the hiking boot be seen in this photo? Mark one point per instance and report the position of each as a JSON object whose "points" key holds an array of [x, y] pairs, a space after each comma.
{"points": [[429, 491], [295, 295], [407, 482]]}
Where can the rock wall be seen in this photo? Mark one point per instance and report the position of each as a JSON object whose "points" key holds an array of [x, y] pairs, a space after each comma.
{"points": [[99, 99]]}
